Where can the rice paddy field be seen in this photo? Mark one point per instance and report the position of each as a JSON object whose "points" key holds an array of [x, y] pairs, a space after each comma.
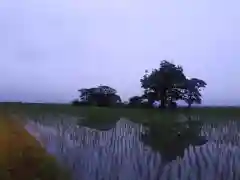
{"points": [[61, 142]]}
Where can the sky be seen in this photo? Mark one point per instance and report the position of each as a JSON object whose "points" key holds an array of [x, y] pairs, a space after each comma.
{"points": [[51, 48]]}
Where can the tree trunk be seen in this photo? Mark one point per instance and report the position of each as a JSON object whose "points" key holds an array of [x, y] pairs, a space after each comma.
{"points": [[163, 99], [189, 105]]}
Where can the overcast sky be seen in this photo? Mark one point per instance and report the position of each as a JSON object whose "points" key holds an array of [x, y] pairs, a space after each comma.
{"points": [[51, 48]]}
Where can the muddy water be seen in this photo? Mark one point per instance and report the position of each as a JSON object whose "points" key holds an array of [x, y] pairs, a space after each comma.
{"points": [[121, 153]]}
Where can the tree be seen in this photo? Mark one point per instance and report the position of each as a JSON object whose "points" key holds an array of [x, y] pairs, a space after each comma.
{"points": [[192, 91], [135, 101], [150, 95], [161, 83], [86, 94], [101, 96]]}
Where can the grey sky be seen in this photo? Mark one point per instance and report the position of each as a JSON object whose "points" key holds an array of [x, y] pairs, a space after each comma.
{"points": [[51, 48]]}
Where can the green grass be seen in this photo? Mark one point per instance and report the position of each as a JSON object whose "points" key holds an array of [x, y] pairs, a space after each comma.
{"points": [[22, 156], [105, 114]]}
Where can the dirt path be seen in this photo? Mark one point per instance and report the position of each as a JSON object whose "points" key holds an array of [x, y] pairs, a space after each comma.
{"points": [[22, 157]]}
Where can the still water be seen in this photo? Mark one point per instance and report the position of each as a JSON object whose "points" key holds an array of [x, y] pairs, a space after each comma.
{"points": [[130, 151]]}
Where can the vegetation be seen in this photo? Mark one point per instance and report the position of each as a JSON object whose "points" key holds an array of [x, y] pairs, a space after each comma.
{"points": [[166, 84], [94, 113], [164, 134], [100, 96], [135, 101], [22, 157], [171, 138], [191, 94]]}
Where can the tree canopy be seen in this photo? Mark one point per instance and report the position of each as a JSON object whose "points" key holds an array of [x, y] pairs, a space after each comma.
{"points": [[192, 91], [162, 82], [101, 96], [168, 83], [135, 101]]}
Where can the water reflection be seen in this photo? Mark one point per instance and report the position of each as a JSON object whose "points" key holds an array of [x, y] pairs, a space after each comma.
{"points": [[102, 125], [171, 138], [133, 151]]}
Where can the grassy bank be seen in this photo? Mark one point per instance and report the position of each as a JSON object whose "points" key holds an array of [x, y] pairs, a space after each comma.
{"points": [[22, 157]]}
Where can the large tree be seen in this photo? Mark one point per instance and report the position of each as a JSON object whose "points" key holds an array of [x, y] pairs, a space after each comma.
{"points": [[192, 91], [101, 96], [161, 83]]}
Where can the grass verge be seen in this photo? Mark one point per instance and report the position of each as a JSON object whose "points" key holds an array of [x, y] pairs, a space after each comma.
{"points": [[22, 157]]}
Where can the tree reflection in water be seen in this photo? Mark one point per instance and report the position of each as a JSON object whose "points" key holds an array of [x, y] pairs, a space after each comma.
{"points": [[171, 138]]}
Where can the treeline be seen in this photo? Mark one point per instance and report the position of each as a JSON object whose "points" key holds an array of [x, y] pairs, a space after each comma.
{"points": [[166, 85]]}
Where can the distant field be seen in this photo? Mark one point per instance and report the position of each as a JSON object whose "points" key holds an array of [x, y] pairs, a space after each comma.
{"points": [[103, 113]]}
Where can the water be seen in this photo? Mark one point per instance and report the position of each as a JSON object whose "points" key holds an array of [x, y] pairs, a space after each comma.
{"points": [[130, 151]]}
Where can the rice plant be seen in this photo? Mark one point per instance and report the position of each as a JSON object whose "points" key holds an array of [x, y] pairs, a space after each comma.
{"points": [[120, 152]]}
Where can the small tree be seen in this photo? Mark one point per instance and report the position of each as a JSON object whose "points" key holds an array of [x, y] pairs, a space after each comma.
{"points": [[135, 101], [75, 102], [101, 96]]}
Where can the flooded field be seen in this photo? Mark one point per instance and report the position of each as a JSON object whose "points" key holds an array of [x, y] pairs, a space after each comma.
{"points": [[186, 148]]}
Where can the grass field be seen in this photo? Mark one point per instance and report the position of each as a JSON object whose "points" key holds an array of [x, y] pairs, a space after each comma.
{"points": [[103, 113]]}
